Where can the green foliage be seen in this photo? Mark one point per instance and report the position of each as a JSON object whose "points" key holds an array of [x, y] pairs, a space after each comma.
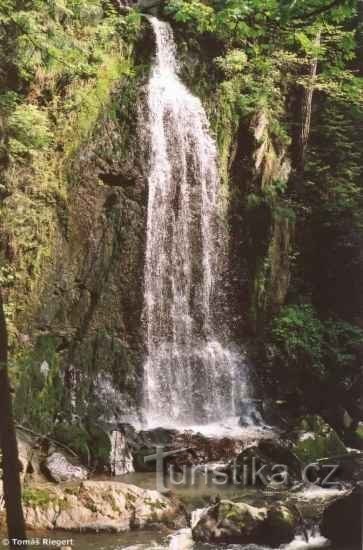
{"points": [[46, 47], [64, 39], [298, 335], [33, 496], [29, 130], [342, 340], [279, 46], [92, 445], [234, 62], [59, 60], [75, 437], [100, 446], [130, 25], [304, 343], [193, 12]]}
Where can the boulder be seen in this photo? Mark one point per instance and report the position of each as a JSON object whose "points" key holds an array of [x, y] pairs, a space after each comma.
{"points": [[59, 468], [315, 439], [270, 455], [342, 519], [276, 412], [143, 443], [99, 506], [202, 450], [349, 469], [239, 523], [191, 448]]}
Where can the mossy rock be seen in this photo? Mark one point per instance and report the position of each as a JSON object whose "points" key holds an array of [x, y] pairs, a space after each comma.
{"points": [[358, 436], [239, 523], [33, 496], [316, 439]]}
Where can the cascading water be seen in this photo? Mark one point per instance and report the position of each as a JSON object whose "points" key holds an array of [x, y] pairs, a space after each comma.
{"points": [[190, 375]]}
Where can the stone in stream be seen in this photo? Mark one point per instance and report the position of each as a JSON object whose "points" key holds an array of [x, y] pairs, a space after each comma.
{"points": [[239, 523], [59, 469], [99, 506], [193, 448], [269, 456], [315, 439], [342, 519]]}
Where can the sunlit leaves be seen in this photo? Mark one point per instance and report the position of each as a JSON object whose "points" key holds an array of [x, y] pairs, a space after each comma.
{"points": [[193, 12], [233, 63], [29, 130]]}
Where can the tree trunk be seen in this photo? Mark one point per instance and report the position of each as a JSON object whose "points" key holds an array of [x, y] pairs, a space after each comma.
{"points": [[306, 102], [10, 460]]}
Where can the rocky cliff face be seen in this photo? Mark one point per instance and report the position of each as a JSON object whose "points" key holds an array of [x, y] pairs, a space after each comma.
{"points": [[91, 300], [83, 325], [76, 328]]}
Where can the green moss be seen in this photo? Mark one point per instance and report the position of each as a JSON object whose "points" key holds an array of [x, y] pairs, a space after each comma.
{"points": [[37, 497], [86, 102], [317, 440]]}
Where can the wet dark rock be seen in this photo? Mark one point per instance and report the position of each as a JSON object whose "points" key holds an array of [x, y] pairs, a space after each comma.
{"points": [[239, 523], [349, 469], [342, 519], [144, 443], [200, 449], [276, 412], [191, 449], [269, 456], [316, 439]]}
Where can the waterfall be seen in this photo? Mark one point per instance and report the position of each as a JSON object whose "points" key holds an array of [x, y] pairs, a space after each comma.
{"points": [[190, 374]]}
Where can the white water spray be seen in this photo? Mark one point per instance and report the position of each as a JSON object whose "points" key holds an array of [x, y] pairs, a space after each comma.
{"points": [[190, 375]]}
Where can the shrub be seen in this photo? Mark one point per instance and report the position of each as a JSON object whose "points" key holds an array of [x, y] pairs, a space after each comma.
{"points": [[303, 342], [298, 336], [233, 63], [28, 130], [194, 13]]}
